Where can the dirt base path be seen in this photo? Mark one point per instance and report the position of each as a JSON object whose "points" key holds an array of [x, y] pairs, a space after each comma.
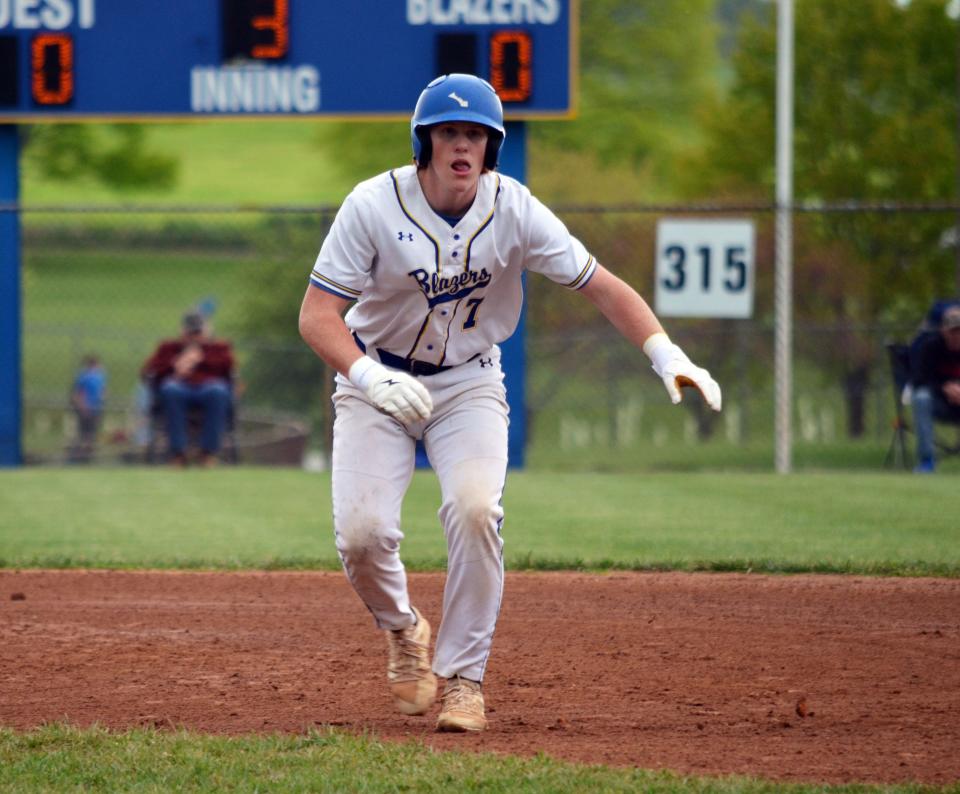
{"points": [[812, 678]]}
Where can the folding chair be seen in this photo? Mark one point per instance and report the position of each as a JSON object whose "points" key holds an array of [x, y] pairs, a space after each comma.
{"points": [[158, 443], [898, 453]]}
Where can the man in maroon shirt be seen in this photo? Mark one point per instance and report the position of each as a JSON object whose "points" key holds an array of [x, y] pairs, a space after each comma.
{"points": [[936, 385], [193, 371]]}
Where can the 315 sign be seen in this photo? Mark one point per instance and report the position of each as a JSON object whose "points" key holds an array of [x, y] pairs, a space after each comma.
{"points": [[705, 268]]}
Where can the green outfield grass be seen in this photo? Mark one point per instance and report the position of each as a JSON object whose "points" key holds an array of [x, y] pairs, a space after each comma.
{"points": [[61, 758], [221, 163], [281, 518]]}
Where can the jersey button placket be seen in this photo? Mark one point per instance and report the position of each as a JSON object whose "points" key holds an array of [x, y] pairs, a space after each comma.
{"points": [[456, 250]]}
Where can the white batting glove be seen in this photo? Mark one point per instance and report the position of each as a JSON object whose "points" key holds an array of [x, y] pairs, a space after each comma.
{"points": [[396, 393], [677, 371]]}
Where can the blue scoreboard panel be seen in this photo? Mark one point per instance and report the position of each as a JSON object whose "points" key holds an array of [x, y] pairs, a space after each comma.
{"points": [[142, 59]]}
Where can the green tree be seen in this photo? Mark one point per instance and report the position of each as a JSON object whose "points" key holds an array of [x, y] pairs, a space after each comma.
{"points": [[876, 104], [117, 155], [645, 66]]}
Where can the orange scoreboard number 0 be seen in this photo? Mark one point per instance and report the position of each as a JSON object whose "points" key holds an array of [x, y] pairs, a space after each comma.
{"points": [[511, 59], [510, 52], [51, 68]]}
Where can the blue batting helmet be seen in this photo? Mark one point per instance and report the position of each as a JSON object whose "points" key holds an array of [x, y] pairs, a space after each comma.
{"points": [[457, 97]]}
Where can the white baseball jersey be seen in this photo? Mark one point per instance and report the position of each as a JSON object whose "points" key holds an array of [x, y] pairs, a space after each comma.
{"points": [[438, 293]]}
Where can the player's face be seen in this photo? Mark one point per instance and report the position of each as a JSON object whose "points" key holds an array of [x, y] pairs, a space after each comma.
{"points": [[458, 152]]}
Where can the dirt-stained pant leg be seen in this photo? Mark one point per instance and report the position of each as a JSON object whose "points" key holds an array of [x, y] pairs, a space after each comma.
{"points": [[467, 447], [373, 462]]}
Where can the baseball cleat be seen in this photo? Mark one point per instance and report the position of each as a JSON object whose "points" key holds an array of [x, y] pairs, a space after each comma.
{"points": [[412, 683], [462, 709]]}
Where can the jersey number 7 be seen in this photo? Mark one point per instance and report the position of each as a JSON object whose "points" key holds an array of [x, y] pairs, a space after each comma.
{"points": [[471, 321]]}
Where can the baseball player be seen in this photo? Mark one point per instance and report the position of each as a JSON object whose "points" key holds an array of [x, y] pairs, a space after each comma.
{"points": [[431, 256]]}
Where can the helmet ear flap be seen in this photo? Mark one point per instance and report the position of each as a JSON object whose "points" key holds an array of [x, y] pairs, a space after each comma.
{"points": [[492, 155], [426, 146]]}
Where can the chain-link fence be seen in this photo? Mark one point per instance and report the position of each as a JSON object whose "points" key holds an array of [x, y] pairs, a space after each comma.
{"points": [[112, 283]]}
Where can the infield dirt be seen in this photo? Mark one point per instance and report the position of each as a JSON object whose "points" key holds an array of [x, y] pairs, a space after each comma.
{"points": [[800, 678]]}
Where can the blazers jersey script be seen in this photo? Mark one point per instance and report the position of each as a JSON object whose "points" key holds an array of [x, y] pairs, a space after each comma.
{"points": [[438, 293]]}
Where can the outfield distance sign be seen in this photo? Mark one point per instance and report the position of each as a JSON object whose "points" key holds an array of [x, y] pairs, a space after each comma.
{"points": [[705, 268]]}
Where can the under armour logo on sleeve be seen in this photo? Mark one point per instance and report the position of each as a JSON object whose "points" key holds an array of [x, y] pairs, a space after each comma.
{"points": [[405, 236], [486, 362]]}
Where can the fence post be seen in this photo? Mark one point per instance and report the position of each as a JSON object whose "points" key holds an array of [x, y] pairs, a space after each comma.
{"points": [[10, 312], [783, 308]]}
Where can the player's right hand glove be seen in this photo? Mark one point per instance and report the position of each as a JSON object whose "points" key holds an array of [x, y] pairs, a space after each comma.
{"points": [[677, 371], [396, 393]]}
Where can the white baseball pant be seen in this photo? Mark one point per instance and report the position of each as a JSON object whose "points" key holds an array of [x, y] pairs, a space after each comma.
{"points": [[373, 463]]}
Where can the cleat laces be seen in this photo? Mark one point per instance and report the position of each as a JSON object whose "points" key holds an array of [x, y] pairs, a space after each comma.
{"points": [[462, 695], [407, 657]]}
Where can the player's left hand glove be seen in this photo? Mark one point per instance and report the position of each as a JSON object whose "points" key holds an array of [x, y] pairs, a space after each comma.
{"points": [[677, 371]]}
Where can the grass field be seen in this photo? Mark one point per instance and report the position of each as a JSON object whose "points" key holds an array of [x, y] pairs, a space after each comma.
{"points": [[62, 758], [281, 518]]}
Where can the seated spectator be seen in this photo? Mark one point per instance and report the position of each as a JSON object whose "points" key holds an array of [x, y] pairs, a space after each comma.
{"points": [[87, 396], [936, 385], [193, 371]]}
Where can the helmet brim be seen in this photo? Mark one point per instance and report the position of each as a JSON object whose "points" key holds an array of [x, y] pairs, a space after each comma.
{"points": [[468, 116]]}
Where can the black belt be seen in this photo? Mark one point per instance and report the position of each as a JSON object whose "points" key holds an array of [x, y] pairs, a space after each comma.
{"points": [[411, 365]]}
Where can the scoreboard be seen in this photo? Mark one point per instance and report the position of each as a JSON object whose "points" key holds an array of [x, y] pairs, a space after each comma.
{"points": [[152, 59]]}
